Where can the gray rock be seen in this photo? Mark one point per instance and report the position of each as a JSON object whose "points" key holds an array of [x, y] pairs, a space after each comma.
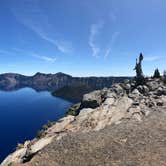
{"points": [[136, 103], [146, 89], [159, 103], [152, 85], [135, 94], [150, 104], [110, 95], [118, 89], [143, 89], [109, 101], [160, 91], [127, 87], [92, 100]]}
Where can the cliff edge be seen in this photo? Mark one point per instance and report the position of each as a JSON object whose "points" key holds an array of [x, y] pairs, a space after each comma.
{"points": [[119, 126]]}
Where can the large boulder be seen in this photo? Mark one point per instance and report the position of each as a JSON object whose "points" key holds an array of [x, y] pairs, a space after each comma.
{"points": [[160, 91], [92, 100], [118, 89], [110, 94], [110, 112], [143, 89], [152, 85], [127, 86], [135, 94]]}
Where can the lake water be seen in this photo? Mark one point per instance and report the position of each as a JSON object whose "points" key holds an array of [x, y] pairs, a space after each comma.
{"points": [[22, 114]]}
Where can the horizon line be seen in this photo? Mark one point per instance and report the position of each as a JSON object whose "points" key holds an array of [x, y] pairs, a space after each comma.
{"points": [[31, 75]]}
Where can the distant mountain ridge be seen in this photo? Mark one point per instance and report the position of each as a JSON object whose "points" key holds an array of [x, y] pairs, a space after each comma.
{"points": [[53, 82]]}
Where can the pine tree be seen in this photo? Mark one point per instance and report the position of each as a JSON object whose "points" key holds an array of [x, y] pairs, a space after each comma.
{"points": [[156, 73], [164, 76]]}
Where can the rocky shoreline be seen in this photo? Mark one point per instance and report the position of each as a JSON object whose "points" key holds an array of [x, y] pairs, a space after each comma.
{"points": [[98, 110]]}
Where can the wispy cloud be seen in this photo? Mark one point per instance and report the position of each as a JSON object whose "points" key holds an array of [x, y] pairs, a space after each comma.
{"points": [[107, 52], [44, 58], [64, 46], [113, 40], [94, 31], [4, 52], [153, 58], [35, 55], [35, 19]]}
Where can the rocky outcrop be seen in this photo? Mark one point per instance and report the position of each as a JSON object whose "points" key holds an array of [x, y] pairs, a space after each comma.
{"points": [[129, 143], [123, 106], [30, 148], [92, 100]]}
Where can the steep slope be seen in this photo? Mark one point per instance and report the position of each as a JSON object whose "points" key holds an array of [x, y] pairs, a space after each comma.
{"points": [[124, 144], [73, 93], [52, 82], [122, 125]]}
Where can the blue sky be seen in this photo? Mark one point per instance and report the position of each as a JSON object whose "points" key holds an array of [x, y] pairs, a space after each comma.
{"points": [[82, 38]]}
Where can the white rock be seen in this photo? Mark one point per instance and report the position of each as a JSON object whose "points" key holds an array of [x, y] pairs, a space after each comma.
{"points": [[109, 101], [97, 119], [61, 124], [15, 157], [40, 144]]}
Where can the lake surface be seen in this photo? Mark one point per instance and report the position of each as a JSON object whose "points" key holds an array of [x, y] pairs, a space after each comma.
{"points": [[22, 114]]}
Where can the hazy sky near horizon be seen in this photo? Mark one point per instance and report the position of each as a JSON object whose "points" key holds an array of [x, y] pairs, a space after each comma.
{"points": [[82, 38]]}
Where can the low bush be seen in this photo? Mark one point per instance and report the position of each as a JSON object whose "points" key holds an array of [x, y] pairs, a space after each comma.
{"points": [[19, 146], [48, 125], [40, 134]]}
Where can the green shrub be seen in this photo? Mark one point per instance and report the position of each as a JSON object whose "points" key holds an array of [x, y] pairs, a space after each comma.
{"points": [[40, 134], [45, 127], [48, 125], [20, 146], [74, 110]]}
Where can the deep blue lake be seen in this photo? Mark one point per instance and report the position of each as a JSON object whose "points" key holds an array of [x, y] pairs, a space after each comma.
{"points": [[22, 114]]}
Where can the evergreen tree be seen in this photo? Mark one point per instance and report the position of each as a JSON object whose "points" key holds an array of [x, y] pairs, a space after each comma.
{"points": [[164, 73], [156, 73], [164, 77]]}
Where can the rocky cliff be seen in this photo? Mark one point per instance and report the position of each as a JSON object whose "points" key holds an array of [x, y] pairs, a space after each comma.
{"points": [[122, 125], [52, 82]]}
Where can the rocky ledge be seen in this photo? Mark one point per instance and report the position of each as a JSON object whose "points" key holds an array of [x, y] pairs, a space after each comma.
{"points": [[121, 125]]}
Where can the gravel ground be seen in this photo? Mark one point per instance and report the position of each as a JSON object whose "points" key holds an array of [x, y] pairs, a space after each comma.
{"points": [[129, 143]]}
